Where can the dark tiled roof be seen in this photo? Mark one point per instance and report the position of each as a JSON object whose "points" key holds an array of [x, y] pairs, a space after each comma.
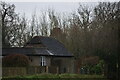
{"points": [[26, 51], [6, 51], [52, 48], [41, 51]]}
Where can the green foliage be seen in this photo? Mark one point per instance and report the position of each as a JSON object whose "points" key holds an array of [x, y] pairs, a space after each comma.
{"points": [[15, 60], [94, 69]]}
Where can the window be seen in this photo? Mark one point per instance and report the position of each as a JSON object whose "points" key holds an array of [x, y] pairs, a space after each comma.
{"points": [[43, 61], [30, 58]]}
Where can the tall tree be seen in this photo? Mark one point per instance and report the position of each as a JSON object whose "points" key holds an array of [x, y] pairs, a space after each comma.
{"points": [[33, 26], [44, 24], [8, 16], [53, 19], [107, 22], [79, 34], [22, 33]]}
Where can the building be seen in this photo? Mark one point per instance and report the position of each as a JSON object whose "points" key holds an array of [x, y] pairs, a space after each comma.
{"points": [[45, 51]]}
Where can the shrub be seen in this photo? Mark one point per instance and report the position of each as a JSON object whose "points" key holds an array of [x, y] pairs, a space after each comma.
{"points": [[15, 60]]}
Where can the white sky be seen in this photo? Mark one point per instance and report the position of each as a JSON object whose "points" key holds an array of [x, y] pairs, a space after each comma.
{"points": [[30, 7], [58, 0], [61, 6]]}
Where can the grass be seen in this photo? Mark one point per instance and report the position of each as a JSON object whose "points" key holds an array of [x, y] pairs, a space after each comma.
{"points": [[58, 76]]}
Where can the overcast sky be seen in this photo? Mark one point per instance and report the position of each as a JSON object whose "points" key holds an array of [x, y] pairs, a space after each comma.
{"points": [[28, 7], [60, 7]]}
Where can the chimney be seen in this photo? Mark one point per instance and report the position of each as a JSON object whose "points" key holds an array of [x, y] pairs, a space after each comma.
{"points": [[56, 32]]}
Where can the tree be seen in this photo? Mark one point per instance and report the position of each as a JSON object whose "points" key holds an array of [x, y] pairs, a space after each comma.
{"points": [[21, 34], [15, 60], [15, 30], [53, 19], [80, 33], [7, 18], [44, 24], [107, 20], [32, 26], [57, 26]]}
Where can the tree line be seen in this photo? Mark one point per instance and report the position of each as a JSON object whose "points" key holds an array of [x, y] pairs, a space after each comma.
{"points": [[88, 31]]}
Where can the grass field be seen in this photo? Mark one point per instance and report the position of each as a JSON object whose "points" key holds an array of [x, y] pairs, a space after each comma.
{"points": [[59, 76]]}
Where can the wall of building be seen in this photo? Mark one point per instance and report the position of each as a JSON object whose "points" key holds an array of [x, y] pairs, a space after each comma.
{"points": [[36, 61], [65, 64]]}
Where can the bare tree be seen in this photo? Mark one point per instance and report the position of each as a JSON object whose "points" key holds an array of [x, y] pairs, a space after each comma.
{"points": [[32, 26], [7, 18], [22, 32], [44, 24], [107, 20], [53, 18]]}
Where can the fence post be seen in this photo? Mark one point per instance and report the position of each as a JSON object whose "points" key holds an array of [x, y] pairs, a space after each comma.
{"points": [[68, 70], [35, 70], [57, 70], [46, 69]]}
